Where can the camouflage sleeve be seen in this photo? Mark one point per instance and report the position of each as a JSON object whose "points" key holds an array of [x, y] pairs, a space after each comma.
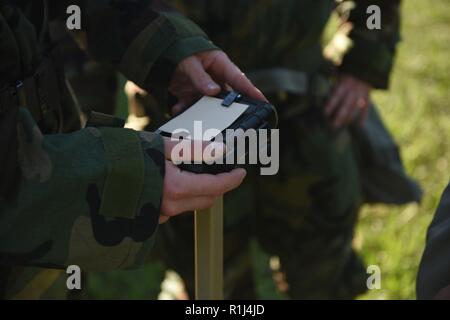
{"points": [[90, 198], [372, 52], [144, 39]]}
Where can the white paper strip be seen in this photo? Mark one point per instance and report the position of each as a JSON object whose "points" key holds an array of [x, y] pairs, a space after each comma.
{"points": [[212, 115]]}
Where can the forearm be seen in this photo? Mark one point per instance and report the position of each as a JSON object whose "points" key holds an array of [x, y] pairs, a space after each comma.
{"points": [[68, 209], [145, 40], [372, 52]]}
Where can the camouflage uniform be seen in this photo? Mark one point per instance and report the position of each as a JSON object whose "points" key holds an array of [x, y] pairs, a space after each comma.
{"points": [[433, 279], [307, 213], [88, 197], [310, 210]]}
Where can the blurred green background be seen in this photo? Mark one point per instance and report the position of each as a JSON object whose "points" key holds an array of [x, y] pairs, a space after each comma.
{"points": [[416, 110]]}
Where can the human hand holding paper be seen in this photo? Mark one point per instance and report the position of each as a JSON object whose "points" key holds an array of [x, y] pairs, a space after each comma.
{"points": [[207, 73]]}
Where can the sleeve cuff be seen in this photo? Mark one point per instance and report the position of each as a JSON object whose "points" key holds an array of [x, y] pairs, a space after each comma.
{"points": [[187, 47], [154, 54], [154, 163], [369, 62], [190, 39]]}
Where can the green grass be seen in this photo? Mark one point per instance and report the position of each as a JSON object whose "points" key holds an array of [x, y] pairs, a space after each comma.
{"points": [[416, 110]]}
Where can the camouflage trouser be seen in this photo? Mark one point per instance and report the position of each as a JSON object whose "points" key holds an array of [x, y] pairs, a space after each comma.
{"points": [[305, 215]]}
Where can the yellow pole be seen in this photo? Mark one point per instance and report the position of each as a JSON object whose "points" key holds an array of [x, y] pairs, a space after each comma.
{"points": [[209, 252]]}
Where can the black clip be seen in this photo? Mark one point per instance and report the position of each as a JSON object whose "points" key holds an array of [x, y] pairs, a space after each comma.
{"points": [[232, 97]]}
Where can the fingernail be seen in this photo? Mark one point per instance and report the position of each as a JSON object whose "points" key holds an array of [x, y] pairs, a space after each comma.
{"points": [[245, 174], [213, 86]]}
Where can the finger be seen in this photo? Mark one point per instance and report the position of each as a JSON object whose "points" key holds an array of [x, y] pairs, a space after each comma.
{"points": [[336, 97], [345, 111], [208, 184], [194, 69], [239, 81], [364, 113], [163, 219], [186, 150], [360, 105], [226, 87], [178, 107]]}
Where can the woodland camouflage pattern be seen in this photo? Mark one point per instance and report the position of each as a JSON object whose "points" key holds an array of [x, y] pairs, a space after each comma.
{"points": [[306, 214], [60, 205], [273, 33]]}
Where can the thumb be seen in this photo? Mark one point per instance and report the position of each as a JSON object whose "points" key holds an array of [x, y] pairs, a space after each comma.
{"points": [[163, 219], [195, 71]]}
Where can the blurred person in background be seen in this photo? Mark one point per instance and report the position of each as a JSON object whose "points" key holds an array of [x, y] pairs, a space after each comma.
{"points": [[433, 280], [336, 153]]}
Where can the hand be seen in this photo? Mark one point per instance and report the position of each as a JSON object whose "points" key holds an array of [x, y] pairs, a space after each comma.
{"points": [[207, 73], [186, 191], [349, 99]]}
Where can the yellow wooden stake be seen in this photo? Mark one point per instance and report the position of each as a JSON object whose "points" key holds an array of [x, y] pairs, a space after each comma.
{"points": [[209, 252]]}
